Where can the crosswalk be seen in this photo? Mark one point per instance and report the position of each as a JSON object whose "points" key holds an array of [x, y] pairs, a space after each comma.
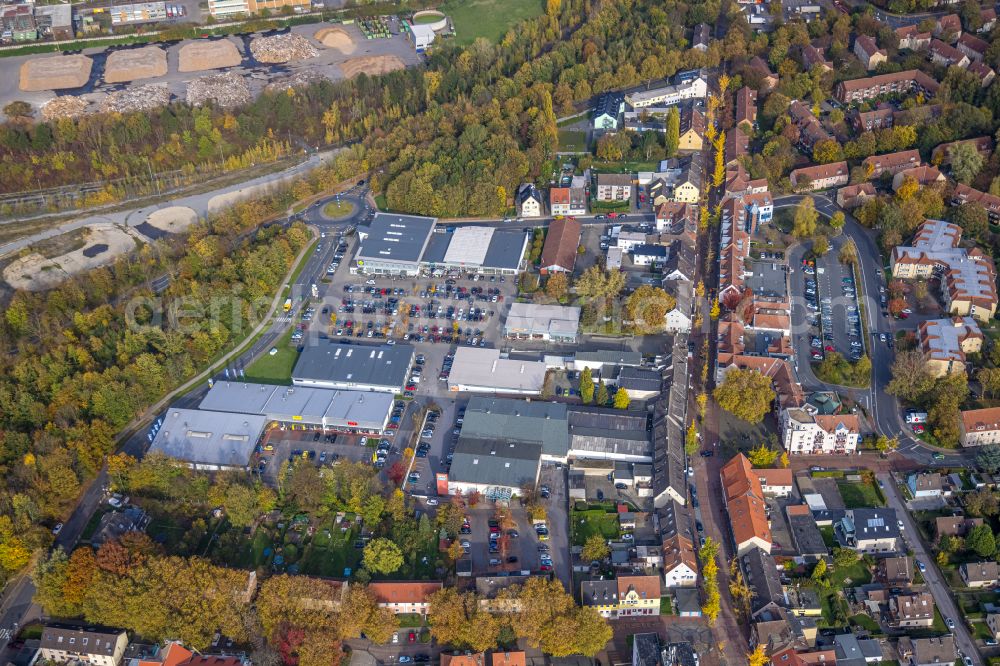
{"points": [[5, 635], [284, 319]]}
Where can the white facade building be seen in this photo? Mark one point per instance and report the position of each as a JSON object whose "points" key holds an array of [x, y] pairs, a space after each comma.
{"points": [[809, 434]]}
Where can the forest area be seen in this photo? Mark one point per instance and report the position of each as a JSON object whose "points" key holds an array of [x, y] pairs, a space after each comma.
{"points": [[85, 359]]}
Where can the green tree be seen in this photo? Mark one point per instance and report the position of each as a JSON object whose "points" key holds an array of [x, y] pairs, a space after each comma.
{"points": [[982, 502], [981, 540], [886, 445], [673, 133], [819, 571], [746, 394], [837, 221], [557, 285], [966, 162], [805, 218], [595, 549], [826, 151], [762, 456], [988, 458], [382, 556], [602, 393], [844, 557], [691, 440], [820, 246], [621, 399], [587, 386]]}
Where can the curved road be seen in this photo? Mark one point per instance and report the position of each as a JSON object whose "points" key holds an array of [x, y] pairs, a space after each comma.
{"points": [[884, 409]]}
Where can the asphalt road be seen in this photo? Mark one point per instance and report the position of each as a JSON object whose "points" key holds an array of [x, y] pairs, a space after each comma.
{"points": [[884, 409], [16, 607], [932, 576]]}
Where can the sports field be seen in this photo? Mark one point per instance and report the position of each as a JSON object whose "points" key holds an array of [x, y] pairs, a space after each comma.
{"points": [[488, 18]]}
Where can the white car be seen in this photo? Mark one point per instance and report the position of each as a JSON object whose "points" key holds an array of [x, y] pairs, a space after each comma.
{"points": [[432, 502], [274, 350], [57, 529]]}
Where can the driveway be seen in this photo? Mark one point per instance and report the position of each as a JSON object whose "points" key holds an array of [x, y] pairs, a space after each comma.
{"points": [[932, 576]]}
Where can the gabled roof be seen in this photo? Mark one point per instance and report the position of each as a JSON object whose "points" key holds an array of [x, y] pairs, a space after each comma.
{"points": [[561, 244], [646, 587], [745, 501], [404, 591]]}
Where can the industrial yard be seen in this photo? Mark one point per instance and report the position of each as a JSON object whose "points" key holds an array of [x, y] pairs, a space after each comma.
{"points": [[103, 79]]}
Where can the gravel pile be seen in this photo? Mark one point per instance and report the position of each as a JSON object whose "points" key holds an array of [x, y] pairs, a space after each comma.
{"points": [[138, 98], [227, 90], [299, 79], [282, 48], [66, 106]]}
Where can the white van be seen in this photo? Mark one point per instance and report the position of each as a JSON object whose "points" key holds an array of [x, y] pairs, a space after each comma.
{"points": [[916, 417]]}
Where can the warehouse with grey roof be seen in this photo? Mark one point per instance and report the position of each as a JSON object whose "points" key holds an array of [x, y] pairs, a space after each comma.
{"points": [[483, 250], [487, 371], [331, 410], [336, 365], [393, 244], [209, 440]]}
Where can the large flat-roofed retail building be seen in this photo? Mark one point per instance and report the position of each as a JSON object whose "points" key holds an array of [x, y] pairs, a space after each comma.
{"points": [[336, 365], [209, 440], [393, 244], [295, 407], [483, 250], [530, 321], [485, 371]]}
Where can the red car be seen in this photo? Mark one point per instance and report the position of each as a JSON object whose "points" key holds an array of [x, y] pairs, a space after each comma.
{"points": [[829, 348], [412, 637], [918, 429], [411, 387]]}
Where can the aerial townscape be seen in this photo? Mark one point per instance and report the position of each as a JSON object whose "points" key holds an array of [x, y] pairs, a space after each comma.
{"points": [[499, 333]]}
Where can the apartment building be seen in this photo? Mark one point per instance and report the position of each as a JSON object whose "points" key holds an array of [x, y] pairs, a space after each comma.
{"points": [[891, 163], [614, 187], [868, 52], [696, 88], [980, 426], [744, 500], [946, 342], [568, 201], [968, 276], [821, 176], [804, 433], [811, 131], [95, 646], [857, 90]]}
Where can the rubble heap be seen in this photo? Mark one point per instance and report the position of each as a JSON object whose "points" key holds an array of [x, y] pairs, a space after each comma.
{"points": [[65, 106], [227, 90], [138, 98], [282, 48]]}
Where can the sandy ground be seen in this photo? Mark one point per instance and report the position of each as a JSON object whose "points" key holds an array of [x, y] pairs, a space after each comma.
{"points": [[335, 38], [327, 63], [34, 272], [172, 220], [371, 65], [55, 72], [204, 55], [133, 64]]}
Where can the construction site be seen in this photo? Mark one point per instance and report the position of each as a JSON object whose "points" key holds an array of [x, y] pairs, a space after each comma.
{"points": [[228, 71]]}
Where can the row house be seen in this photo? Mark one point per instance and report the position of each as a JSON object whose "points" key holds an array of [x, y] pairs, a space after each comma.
{"points": [[965, 194], [868, 52], [983, 72], [924, 175], [768, 78], [811, 131], [911, 80], [744, 501], [978, 427], [804, 433], [989, 18], [868, 121], [814, 57], [625, 596], [820, 176], [911, 38], [948, 27], [891, 163], [746, 107], [568, 201], [942, 152], [947, 55], [972, 46]]}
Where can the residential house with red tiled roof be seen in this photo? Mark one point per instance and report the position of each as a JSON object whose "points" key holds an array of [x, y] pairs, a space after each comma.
{"points": [[813, 57], [744, 500], [475, 659], [911, 38], [405, 596], [856, 90], [941, 154], [820, 176], [948, 26], [972, 46], [947, 55], [983, 72], [980, 426], [852, 196], [561, 244], [924, 175], [892, 163], [512, 658], [868, 52]]}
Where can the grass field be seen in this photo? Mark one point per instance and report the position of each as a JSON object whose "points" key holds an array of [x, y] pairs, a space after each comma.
{"points": [[859, 495], [276, 369], [336, 209], [573, 140], [488, 18], [587, 523], [428, 18]]}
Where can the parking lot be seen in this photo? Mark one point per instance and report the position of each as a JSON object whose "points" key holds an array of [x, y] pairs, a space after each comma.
{"points": [[831, 298], [299, 446]]}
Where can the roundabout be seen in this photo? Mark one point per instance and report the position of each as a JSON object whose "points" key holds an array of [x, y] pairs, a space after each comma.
{"points": [[338, 210]]}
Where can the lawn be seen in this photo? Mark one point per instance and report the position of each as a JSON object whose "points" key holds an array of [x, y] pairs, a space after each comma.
{"points": [[336, 209], [860, 495], [330, 552], [573, 140], [865, 622], [588, 523], [828, 538], [858, 574], [488, 18], [276, 368]]}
